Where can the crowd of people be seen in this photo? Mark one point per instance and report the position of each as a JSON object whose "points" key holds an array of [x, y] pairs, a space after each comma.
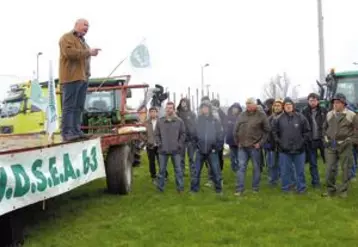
{"points": [[275, 136]]}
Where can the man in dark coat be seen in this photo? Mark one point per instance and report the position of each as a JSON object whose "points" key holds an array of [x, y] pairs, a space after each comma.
{"points": [[184, 112], [170, 138], [316, 116], [208, 140], [232, 117], [291, 132]]}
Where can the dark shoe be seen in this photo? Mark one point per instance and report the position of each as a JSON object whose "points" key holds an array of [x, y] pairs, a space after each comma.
{"points": [[70, 138]]}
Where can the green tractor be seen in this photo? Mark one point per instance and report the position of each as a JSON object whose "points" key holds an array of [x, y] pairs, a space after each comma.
{"points": [[345, 82]]}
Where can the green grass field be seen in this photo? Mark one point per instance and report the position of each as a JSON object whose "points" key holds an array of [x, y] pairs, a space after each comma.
{"points": [[89, 217]]}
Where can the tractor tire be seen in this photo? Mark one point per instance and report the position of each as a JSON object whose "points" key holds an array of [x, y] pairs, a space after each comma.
{"points": [[119, 170]]}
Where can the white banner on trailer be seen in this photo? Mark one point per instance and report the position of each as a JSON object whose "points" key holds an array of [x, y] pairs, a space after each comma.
{"points": [[32, 176]]}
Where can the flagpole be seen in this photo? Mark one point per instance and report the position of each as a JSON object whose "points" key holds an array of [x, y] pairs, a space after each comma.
{"points": [[115, 68]]}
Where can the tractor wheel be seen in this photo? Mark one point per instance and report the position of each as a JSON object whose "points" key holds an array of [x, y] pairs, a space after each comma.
{"points": [[119, 170]]}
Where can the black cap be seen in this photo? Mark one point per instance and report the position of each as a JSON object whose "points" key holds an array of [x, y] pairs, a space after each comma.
{"points": [[341, 97]]}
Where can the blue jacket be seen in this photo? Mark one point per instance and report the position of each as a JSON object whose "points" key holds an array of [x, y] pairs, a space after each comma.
{"points": [[230, 125], [209, 134]]}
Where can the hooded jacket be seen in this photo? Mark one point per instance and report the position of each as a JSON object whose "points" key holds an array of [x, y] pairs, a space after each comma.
{"points": [[230, 124], [209, 134], [188, 118]]}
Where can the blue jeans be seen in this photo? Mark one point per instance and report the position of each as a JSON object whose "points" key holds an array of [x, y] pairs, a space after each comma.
{"points": [[188, 149], [313, 166], [213, 162], [244, 155], [273, 166], [163, 162], [73, 101], [298, 161], [234, 158], [354, 167]]}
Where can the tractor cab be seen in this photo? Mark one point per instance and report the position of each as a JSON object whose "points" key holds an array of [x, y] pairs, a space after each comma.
{"points": [[340, 82]]}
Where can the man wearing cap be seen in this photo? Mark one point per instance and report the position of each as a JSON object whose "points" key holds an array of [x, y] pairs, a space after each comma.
{"points": [[251, 132], [170, 138], [291, 132], [316, 116], [339, 135], [208, 139]]}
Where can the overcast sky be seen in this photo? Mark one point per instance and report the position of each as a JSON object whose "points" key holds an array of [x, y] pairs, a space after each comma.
{"points": [[245, 42]]}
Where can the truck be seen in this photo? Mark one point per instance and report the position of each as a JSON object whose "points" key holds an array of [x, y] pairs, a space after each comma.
{"points": [[100, 106]]}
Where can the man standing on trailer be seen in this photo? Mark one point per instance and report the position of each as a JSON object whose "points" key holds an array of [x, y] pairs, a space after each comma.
{"points": [[74, 72], [170, 137]]}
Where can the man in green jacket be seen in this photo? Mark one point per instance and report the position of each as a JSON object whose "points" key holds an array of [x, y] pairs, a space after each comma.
{"points": [[340, 133]]}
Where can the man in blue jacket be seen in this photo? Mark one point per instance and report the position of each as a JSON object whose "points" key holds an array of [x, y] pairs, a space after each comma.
{"points": [[208, 140], [232, 117], [291, 132]]}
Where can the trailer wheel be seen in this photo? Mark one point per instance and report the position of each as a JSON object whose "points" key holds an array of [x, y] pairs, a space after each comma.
{"points": [[119, 170]]}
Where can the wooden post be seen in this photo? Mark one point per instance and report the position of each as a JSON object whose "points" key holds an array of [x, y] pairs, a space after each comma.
{"points": [[193, 103]]}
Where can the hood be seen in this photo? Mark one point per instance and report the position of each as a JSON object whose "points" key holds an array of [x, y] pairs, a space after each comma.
{"points": [[179, 108], [235, 105], [208, 105]]}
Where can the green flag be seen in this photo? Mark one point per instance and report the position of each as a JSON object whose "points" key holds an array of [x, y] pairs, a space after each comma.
{"points": [[140, 57], [37, 98]]}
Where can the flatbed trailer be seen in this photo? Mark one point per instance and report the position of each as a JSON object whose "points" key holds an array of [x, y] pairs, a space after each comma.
{"points": [[34, 169]]}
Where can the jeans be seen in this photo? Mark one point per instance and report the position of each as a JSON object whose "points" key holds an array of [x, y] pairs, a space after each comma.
{"points": [[73, 101], [273, 166], [312, 159], [190, 150], [298, 161], [213, 161], [244, 155], [163, 162], [234, 158]]}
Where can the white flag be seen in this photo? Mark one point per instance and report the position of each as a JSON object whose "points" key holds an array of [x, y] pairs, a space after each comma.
{"points": [[51, 111], [139, 57]]}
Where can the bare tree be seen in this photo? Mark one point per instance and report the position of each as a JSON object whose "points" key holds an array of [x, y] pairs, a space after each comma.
{"points": [[277, 87]]}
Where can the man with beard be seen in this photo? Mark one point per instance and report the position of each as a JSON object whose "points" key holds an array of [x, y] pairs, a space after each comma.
{"points": [[184, 112], [251, 132], [316, 116], [291, 131], [232, 117]]}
